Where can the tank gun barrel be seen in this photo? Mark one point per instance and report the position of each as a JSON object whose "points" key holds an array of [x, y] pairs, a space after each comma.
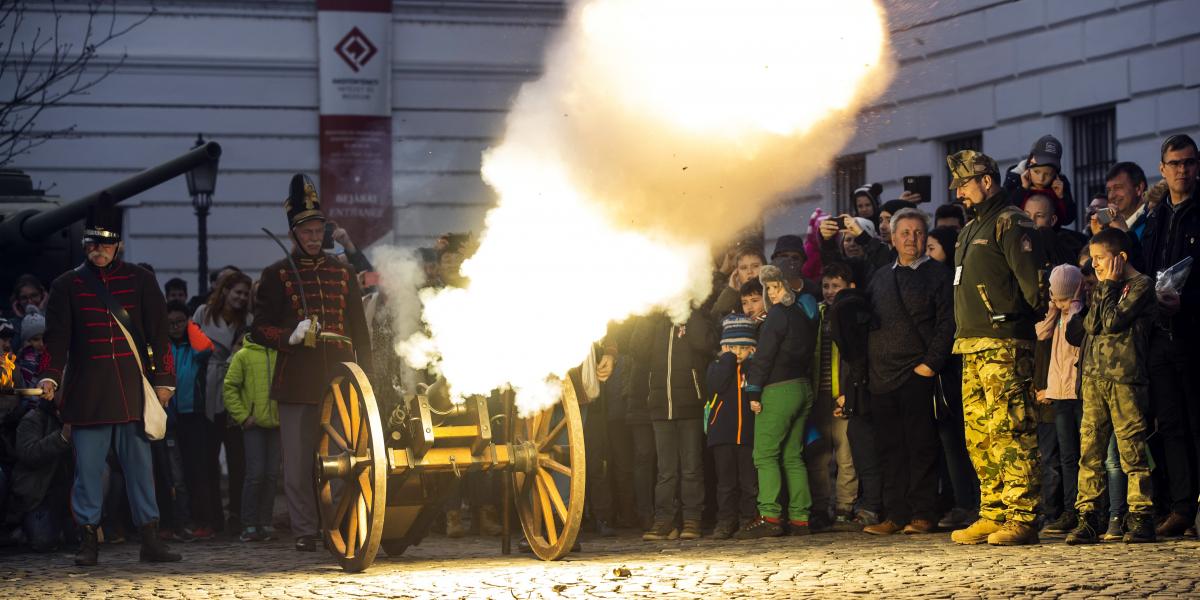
{"points": [[24, 230]]}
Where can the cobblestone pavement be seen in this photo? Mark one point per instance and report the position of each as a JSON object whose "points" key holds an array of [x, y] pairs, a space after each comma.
{"points": [[827, 565]]}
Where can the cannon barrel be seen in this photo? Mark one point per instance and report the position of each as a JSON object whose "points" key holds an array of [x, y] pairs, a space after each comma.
{"points": [[23, 231]]}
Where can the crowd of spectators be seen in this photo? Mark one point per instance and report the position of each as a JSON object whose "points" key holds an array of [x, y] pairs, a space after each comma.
{"points": [[818, 388]]}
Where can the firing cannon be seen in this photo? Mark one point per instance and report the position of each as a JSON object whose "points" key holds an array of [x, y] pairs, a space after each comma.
{"points": [[380, 485]]}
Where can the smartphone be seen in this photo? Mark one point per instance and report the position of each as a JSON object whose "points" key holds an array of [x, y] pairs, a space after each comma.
{"points": [[1104, 216], [919, 184], [327, 243], [843, 223]]}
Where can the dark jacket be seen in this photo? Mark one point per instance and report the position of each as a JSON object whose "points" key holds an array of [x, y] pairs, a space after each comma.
{"points": [[668, 363], [913, 322], [1000, 250], [786, 341], [850, 316], [102, 383], [1173, 232], [331, 290], [1062, 245], [1065, 207], [730, 420], [1118, 327], [42, 456]]}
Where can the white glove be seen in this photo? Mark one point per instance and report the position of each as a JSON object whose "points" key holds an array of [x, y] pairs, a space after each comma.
{"points": [[302, 328]]}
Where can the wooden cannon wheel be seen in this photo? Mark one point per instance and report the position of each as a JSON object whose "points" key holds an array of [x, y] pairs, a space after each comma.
{"points": [[550, 520], [351, 469]]}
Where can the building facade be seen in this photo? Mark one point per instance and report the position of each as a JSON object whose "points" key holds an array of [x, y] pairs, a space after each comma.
{"points": [[1110, 78]]}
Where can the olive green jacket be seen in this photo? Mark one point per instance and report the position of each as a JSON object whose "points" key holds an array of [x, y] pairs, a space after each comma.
{"points": [[999, 252], [1118, 327]]}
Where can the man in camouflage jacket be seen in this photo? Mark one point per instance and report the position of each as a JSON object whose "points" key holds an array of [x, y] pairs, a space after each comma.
{"points": [[998, 292]]}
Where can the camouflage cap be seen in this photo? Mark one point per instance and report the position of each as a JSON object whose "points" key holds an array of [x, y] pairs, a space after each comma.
{"points": [[968, 164]]}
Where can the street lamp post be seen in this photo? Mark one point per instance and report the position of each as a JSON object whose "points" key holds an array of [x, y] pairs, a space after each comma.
{"points": [[201, 182]]}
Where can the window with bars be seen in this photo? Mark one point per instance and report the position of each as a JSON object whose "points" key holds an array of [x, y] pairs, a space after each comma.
{"points": [[849, 174], [970, 141], [1094, 149]]}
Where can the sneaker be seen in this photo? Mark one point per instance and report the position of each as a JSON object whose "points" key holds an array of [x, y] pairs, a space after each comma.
{"points": [[802, 528], [1013, 533], [183, 534], [691, 530], [661, 531], [267, 532], [1065, 523], [249, 534], [1139, 528], [956, 518], [724, 530], [203, 533], [975, 533], [1086, 530], [307, 543], [866, 517], [760, 527], [1116, 530]]}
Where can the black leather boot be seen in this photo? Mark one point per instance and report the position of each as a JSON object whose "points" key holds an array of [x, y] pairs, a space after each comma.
{"points": [[153, 548], [89, 553]]}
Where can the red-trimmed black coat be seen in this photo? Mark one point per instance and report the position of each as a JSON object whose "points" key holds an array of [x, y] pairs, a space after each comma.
{"points": [[331, 289], [103, 382]]}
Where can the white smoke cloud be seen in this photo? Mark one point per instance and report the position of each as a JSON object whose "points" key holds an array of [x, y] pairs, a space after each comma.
{"points": [[660, 128]]}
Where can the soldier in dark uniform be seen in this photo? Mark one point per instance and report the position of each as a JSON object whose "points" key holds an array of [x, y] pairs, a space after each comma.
{"points": [[998, 291], [101, 395], [334, 306]]}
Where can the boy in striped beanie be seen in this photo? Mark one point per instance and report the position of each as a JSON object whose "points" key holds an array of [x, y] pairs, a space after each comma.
{"points": [[729, 423]]}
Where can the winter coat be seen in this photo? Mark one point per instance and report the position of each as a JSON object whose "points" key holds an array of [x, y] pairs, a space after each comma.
{"points": [[248, 386], [729, 419], [1000, 251], [851, 321], [224, 337], [86, 354], [1173, 232], [42, 455], [1118, 328], [786, 341], [913, 322], [189, 355], [668, 361]]}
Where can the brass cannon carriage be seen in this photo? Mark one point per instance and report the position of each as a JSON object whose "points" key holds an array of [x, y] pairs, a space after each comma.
{"points": [[380, 484]]}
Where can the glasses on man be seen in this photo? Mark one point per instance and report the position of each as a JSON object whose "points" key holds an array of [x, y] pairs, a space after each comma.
{"points": [[1186, 163]]}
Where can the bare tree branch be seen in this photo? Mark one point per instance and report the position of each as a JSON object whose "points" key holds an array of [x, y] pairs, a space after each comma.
{"points": [[47, 69]]}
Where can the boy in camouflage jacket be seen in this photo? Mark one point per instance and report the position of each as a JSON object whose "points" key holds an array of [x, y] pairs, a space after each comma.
{"points": [[1114, 387]]}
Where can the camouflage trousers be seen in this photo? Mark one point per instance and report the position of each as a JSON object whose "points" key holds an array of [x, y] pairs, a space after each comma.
{"points": [[1001, 431], [1113, 409]]}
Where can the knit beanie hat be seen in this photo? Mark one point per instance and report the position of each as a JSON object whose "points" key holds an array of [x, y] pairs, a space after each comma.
{"points": [[33, 324], [772, 273], [867, 226], [892, 207], [1064, 281], [738, 330], [789, 243]]}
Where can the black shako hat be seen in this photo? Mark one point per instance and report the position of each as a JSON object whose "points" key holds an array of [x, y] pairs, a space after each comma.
{"points": [[302, 204], [103, 223]]}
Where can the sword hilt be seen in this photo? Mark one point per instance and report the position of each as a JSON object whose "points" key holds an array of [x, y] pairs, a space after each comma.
{"points": [[310, 336]]}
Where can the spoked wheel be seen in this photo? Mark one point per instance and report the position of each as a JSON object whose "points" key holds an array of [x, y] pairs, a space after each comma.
{"points": [[351, 469], [549, 493]]}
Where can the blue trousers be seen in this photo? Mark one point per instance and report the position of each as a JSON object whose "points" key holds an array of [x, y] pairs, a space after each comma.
{"points": [[133, 451]]}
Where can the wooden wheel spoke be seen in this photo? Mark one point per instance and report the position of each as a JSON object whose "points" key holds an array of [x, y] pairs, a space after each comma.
{"points": [[362, 518], [333, 435], [364, 486], [349, 493], [355, 418], [552, 491], [558, 428], [554, 465], [543, 497], [343, 413], [351, 534], [544, 424]]}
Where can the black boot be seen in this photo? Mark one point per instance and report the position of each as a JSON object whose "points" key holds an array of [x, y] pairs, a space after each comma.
{"points": [[153, 548], [1139, 528], [1087, 530], [88, 554]]}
